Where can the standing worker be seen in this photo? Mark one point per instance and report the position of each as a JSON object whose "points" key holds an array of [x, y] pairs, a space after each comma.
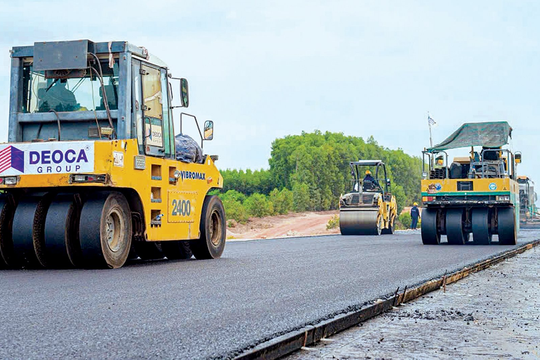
{"points": [[415, 214]]}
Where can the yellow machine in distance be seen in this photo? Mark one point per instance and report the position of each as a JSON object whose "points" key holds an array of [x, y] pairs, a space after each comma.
{"points": [[370, 208], [477, 194], [93, 172]]}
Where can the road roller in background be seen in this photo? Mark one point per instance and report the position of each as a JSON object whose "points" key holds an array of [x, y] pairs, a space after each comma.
{"points": [[528, 213], [476, 194], [370, 208], [91, 173]]}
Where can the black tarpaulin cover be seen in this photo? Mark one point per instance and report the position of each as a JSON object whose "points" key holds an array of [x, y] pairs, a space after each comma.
{"points": [[187, 149], [492, 134]]}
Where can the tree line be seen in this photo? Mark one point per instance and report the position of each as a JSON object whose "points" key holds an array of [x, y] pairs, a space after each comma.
{"points": [[309, 172]]}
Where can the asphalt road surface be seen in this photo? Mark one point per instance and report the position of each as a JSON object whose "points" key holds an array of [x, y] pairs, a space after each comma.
{"points": [[216, 308]]}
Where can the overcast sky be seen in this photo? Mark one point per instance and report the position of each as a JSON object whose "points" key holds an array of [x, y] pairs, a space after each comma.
{"points": [[264, 70]]}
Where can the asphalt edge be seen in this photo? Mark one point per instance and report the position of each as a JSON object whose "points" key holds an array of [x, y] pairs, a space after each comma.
{"points": [[309, 335]]}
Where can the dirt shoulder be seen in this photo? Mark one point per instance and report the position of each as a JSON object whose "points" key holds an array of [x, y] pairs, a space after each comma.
{"points": [[292, 224]]}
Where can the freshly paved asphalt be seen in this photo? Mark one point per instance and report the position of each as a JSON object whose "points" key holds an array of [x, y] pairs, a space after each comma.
{"points": [[212, 309]]}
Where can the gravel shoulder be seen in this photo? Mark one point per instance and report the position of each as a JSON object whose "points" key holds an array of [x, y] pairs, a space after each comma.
{"points": [[493, 314]]}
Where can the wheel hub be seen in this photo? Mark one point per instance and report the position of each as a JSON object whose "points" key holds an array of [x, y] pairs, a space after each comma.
{"points": [[112, 229]]}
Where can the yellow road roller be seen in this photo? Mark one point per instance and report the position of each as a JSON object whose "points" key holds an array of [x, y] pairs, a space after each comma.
{"points": [[370, 208], [476, 194], [92, 172]]}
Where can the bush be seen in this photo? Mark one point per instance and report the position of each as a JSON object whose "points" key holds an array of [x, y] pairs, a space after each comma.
{"points": [[333, 222], [235, 210], [258, 205], [406, 220]]}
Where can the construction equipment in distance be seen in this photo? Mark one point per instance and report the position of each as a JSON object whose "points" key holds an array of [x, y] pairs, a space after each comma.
{"points": [[370, 208], [90, 174], [476, 194], [527, 203]]}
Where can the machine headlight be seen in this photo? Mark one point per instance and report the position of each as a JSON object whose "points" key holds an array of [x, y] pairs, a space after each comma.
{"points": [[503, 198], [11, 180]]}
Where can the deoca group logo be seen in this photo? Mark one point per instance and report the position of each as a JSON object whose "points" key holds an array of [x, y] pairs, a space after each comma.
{"points": [[11, 157], [47, 158]]}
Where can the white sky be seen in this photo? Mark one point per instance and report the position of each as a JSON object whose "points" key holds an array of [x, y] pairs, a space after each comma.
{"points": [[263, 70]]}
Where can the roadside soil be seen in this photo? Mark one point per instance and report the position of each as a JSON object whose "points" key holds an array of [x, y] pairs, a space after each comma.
{"points": [[279, 226], [493, 314]]}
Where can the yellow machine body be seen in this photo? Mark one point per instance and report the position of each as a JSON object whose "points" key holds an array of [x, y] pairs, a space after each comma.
{"points": [[171, 206]]}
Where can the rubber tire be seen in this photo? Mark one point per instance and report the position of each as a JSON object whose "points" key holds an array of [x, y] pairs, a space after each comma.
{"points": [[60, 232], [213, 226], [27, 215], [507, 226], [454, 227], [390, 229], [429, 230], [480, 226], [175, 250], [8, 204], [95, 247]]}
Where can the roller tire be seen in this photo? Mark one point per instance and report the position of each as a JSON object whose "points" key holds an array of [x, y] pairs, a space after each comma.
{"points": [[27, 215], [175, 250], [429, 229], [454, 227], [60, 233], [105, 231], [481, 226], [212, 229], [8, 204], [507, 226]]}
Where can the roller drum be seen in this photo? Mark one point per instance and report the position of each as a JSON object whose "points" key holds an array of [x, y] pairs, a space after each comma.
{"points": [[359, 222]]}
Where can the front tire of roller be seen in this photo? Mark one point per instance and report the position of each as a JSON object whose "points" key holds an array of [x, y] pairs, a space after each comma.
{"points": [[507, 226], [429, 228], [454, 227], [213, 231], [105, 230], [8, 204], [480, 226]]}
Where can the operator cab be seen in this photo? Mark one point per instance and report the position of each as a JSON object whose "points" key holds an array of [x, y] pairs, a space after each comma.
{"points": [[81, 90]]}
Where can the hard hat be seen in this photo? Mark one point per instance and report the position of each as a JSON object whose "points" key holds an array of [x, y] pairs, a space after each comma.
{"points": [[415, 204], [368, 172]]}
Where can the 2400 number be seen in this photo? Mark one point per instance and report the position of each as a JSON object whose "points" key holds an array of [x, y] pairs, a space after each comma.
{"points": [[181, 207]]}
